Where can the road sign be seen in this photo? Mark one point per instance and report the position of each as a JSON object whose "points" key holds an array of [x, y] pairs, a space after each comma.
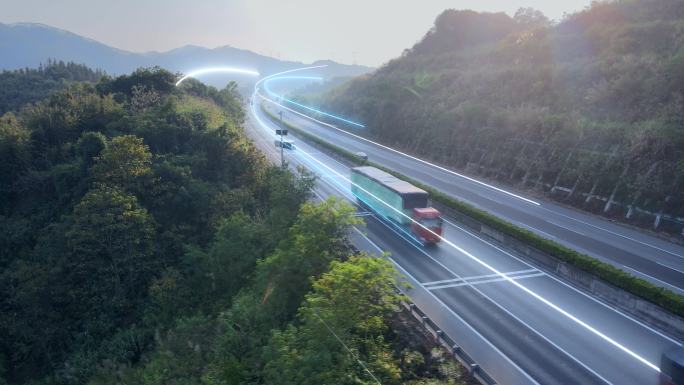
{"points": [[282, 132]]}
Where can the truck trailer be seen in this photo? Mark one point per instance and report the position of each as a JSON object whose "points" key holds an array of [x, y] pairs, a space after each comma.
{"points": [[398, 202]]}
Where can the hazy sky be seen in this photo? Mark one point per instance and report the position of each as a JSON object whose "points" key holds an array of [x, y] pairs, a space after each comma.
{"points": [[370, 31]]}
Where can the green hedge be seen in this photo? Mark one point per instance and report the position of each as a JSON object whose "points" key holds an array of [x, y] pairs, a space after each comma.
{"points": [[607, 272]]}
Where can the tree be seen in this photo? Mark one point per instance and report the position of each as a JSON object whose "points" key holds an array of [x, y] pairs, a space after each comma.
{"points": [[15, 156], [124, 162], [281, 280], [89, 146], [530, 17], [229, 263], [348, 305], [318, 237], [109, 261]]}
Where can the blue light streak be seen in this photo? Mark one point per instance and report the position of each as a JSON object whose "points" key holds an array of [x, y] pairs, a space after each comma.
{"points": [[268, 90], [505, 277]]}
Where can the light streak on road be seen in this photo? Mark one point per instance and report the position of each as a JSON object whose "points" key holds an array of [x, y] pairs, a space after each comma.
{"points": [[483, 263], [280, 97], [257, 93], [212, 70], [256, 85], [446, 241]]}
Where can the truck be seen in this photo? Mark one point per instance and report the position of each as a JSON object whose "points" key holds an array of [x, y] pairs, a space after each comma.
{"points": [[398, 203]]}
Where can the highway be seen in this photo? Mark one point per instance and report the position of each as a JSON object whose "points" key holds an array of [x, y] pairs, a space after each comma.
{"points": [[638, 253], [566, 338]]}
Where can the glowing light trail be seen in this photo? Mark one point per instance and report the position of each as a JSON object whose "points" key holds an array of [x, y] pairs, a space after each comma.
{"points": [[399, 152], [302, 105], [203, 71], [486, 265], [256, 85], [503, 275]]}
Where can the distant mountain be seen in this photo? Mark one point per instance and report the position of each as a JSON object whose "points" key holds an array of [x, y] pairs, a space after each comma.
{"points": [[28, 45]]}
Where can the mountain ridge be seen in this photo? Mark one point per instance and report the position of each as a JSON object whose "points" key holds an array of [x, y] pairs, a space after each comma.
{"points": [[27, 44]]}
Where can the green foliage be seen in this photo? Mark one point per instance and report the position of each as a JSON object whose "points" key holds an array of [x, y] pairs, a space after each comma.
{"points": [[89, 146], [128, 208], [15, 156], [156, 79], [317, 238], [109, 239], [227, 266], [124, 162], [60, 120], [637, 286], [25, 86], [583, 104], [353, 301], [280, 282], [144, 240]]}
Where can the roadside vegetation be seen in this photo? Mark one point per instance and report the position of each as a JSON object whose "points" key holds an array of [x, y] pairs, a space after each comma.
{"points": [[589, 111], [660, 296], [145, 240], [31, 85]]}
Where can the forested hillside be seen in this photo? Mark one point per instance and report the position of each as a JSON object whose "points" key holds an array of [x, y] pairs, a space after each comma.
{"points": [[31, 85], [144, 240], [589, 110]]}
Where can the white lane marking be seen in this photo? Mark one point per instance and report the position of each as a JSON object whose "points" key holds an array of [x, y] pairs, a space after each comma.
{"points": [[614, 233], [566, 284], [318, 195], [670, 267], [567, 228], [536, 230], [653, 278], [453, 313], [507, 312], [363, 214], [496, 349], [402, 153], [477, 181], [475, 277], [517, 284], [468, 282]]}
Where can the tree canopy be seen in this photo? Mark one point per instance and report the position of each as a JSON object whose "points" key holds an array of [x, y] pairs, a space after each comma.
{"points": [[145, 240], [589, 110]]}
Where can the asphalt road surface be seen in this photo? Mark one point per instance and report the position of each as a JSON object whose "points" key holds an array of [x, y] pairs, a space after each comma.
{"points": [[544, 332], [638, 253]]}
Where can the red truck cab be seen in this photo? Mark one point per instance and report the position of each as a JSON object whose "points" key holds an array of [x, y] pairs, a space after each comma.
{"points": [[431, 219]]}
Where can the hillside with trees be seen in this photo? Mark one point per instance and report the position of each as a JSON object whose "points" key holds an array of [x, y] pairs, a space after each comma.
{"points": [[589, 111], [145, 240], [30, 85]]}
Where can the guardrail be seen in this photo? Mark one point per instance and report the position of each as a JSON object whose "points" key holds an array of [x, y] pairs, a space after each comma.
{"points": [[475, 370], [650, 298]]}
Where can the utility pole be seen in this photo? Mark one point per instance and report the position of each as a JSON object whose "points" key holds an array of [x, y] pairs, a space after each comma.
{"points": [[282, 130]]}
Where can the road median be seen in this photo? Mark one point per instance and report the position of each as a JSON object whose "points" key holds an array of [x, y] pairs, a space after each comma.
{"points": [[582, 270]]}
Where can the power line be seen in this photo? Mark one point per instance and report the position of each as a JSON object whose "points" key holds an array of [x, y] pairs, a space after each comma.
{"points": [[345, 346]]}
